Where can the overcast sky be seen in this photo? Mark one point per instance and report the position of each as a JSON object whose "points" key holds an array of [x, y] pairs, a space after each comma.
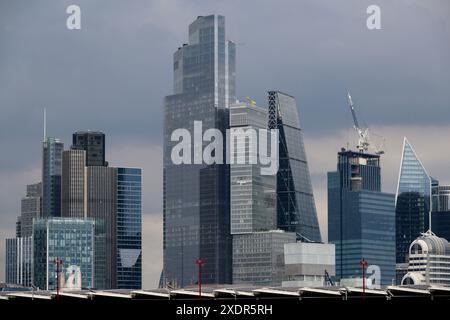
{"points": [[112, 76]]}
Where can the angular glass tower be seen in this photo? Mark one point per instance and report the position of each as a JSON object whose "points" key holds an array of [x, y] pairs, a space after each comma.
{"points": [[196, 196], [51, 177], [295, 204], [413, 201], [361, 218]]}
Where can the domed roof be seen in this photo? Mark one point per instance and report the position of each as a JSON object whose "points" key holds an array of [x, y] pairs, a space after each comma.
{"points": [[413, 278], [428, 242]]}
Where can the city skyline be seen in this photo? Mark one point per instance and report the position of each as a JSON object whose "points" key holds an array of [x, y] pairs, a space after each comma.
{"points": [[24, 171]]}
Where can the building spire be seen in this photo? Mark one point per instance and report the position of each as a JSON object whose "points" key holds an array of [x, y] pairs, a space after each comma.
{"points": [[45, 124]]}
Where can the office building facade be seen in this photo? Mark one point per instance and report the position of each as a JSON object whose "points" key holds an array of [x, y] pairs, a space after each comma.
{"points": [[361, 219], [295, 205], [196, 196], [307, 263], [68, 239], [100, 203], [440, 224], [51, 177], [258, 257], [73, 184], [441, 199], [129, 228], [30, 208], [19, 261], [93, 143], [253, 195], [11, 261]]}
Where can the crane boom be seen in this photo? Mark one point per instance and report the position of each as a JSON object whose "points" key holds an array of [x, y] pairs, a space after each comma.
{"points": [[363, 133], [350, 104]]}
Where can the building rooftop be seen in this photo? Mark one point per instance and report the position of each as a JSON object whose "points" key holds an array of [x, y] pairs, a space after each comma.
{"points": [[234, 292]]}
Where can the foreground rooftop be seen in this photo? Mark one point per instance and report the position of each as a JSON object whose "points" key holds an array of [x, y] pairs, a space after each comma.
{"points": [[232, 293]]}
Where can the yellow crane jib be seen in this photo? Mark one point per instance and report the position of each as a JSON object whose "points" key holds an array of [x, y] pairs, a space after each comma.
{"points": [[250, 101]]}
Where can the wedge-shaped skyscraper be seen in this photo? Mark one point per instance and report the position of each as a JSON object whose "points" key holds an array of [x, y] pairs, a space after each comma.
{"points": [[295, 203], [413, 203]]}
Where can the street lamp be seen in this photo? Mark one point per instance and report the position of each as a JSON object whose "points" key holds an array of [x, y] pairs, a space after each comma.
{"points": [[200, 264], [363, 263], [58, 262]]}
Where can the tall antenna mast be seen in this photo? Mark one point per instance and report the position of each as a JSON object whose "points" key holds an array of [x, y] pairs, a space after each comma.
{"points": [[45, 124]]}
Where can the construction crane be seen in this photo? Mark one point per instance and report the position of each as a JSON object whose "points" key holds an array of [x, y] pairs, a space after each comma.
{"points": [[251, 101], [363, 132]]}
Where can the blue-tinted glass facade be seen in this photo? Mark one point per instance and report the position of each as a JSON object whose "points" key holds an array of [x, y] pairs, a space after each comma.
{"points": [[69, 239], [196, 196], [296, 210], [413, 201], [361, 219], [129, 228], [51, 177], [440, 224]]}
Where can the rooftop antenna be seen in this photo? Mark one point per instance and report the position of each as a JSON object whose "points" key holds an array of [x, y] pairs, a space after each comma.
{"points": [[45, 124]]}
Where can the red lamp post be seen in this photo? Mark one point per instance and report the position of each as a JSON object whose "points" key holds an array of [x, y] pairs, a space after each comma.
{"points": [[200, 264], [58, 262], [363, 263]]}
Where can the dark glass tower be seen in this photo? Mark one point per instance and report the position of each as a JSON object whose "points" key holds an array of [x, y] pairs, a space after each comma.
{"points": [[196, 196], [295, 204], [361, 219], [51, 177], [129, 228], [93, 142], [413, 201]]}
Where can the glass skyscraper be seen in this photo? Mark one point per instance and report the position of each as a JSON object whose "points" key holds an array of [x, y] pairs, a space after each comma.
{"points": [[196, 196], [413, 202], [361, 219], [257, 247], [129, 228], [253, 195], [11, 261], [30, 208], [69, 239], [440, 224], [19, 261], [296, 207], [51, 177]]}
